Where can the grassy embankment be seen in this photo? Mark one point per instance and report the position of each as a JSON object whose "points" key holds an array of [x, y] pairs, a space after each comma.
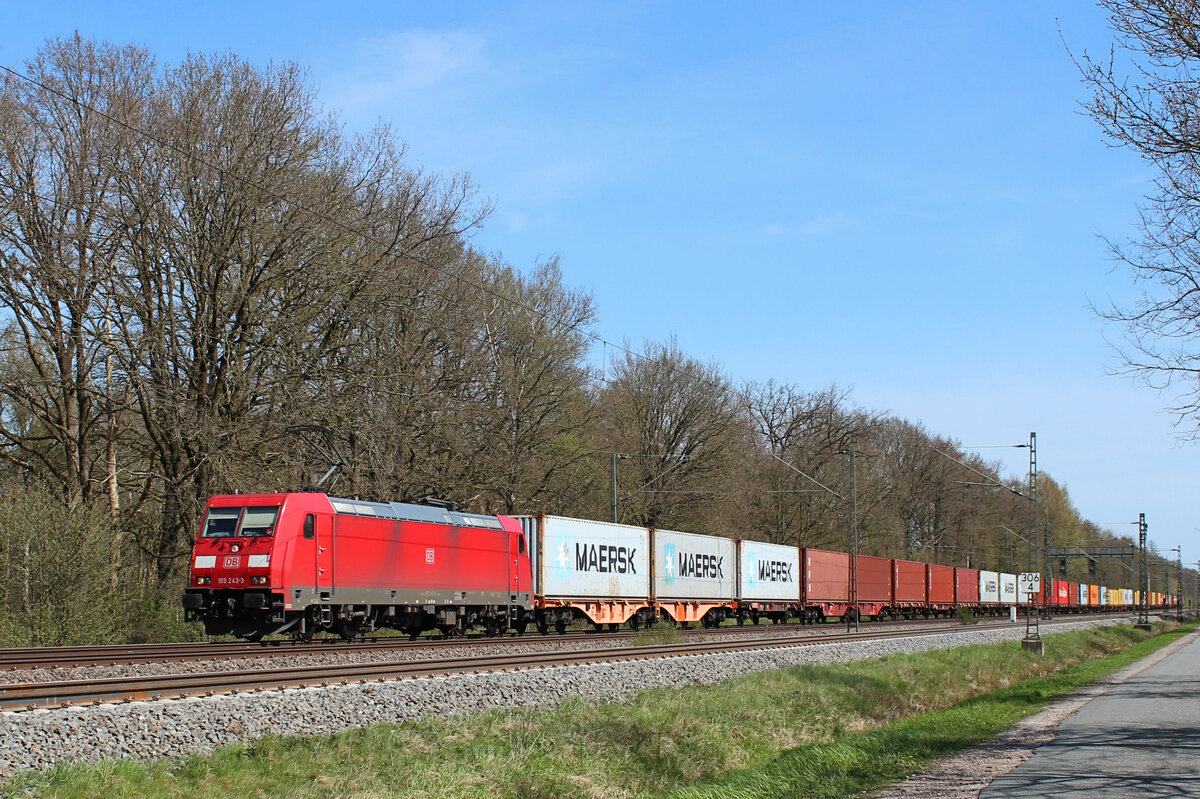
{"points": [[827, 731]]}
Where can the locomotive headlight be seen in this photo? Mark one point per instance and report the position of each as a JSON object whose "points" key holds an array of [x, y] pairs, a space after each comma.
{"points": [[258, 580], [203, 580]]}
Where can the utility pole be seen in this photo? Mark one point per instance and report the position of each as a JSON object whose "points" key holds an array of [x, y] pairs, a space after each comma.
{"points": [[1143, 621], [853, 453], [1197, 587], [612, 484], [1032, 500], [1179, 580]]}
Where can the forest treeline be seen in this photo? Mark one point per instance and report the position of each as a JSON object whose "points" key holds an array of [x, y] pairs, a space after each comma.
{"points": [[208, 285]]}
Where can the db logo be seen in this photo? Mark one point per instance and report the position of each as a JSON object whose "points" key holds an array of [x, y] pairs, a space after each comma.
{"points": [[232, 562]]}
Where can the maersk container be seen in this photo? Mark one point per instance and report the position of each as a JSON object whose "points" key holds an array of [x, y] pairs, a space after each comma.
{"points": [[691, 566], [826, 576], [576, 558], [1008, 589], [940, 582], [989, 587], [966, 586], [909, 582], [874, 579], [769, 572]]}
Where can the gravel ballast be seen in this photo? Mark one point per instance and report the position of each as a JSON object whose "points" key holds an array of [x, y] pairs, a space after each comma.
{"points": [[41, 738]]}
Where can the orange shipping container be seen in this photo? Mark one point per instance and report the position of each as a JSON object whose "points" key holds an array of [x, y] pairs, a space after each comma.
{"points": [[941, 585], [908, 582], [874, 579], [826, 576], [966, 586], [1093, 595]]}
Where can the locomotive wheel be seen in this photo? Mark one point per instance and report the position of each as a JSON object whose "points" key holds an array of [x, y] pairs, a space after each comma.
{"points": [[521, 625], [349, 629], [306, 634], [491, 627], [413, 633], [543, 626]]}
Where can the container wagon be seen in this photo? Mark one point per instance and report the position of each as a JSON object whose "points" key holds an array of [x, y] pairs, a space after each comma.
{"points": [[595, 570], [874, 585], [769, 586], [910, 588], [940, 581], [695, 577], [826, 585]]}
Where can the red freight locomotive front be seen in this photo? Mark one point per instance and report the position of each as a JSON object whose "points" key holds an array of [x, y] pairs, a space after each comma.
{"points": [[302, 562]]}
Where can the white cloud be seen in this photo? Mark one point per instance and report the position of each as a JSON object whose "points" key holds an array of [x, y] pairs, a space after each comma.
{"points": [[384, 68], [820, 225]]}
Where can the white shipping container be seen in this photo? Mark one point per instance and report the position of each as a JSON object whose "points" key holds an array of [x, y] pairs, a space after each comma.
{"points": [[691, 566], [1103, 595], [1008, 589], [769, 571], [1126, 596], [577, 558], [1083, 593], [989, 587]]}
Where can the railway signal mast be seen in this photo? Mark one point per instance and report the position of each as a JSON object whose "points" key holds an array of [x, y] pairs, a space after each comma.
{"points": [[1143, 621]]}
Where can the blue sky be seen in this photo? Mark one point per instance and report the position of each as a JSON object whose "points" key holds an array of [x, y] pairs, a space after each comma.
{"points": [[903, 199]]}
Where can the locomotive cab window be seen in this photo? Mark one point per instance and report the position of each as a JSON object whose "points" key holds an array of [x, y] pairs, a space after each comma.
{"points": [[221, 522], [244, 522], [258, 522], [521, 544], [310, 526]]}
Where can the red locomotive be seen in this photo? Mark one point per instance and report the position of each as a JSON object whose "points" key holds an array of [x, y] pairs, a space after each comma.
{"points": [[304, 562]]}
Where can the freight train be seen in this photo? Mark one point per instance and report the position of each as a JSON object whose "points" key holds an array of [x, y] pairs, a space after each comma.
{"points": [[305, 562]]}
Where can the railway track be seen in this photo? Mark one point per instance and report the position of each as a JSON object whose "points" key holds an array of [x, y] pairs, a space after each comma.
{"points": [[74, 656], [21, 696]]}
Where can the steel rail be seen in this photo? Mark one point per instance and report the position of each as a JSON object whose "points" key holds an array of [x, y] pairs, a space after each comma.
{"points": [[25, 658], [125, 689]]}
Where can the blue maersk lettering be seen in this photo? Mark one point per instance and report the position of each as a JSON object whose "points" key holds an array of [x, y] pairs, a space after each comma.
{"points": [[604, 559]]}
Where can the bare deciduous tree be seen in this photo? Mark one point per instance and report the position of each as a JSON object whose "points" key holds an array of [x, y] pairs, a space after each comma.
{"points": [[677, 418], [1146, 97]]}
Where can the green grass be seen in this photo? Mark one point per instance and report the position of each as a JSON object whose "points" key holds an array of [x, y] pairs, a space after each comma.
{"points": [[821, 731]]}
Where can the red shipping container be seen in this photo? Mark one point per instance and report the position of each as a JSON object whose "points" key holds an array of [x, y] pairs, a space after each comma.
{"points": [[908, 581], [941, 585], [1062, 593], [826, 576], [966, 586], [874, 579]]}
